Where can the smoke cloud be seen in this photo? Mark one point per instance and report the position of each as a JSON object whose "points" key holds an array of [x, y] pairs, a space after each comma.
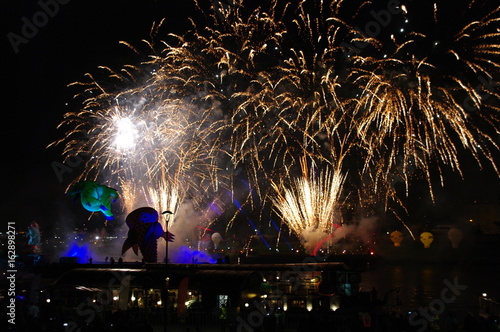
{"points": [[362, 230]]}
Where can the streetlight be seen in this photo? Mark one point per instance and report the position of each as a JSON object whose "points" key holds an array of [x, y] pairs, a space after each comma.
{"points": [[167, 237]]}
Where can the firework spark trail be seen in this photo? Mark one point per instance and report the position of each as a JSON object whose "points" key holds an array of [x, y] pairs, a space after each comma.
{"points": [[253, 88], [310, 204], [402, 112]]}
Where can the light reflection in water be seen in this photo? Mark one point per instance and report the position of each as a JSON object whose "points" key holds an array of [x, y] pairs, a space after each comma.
{"points": [[406, 287]]}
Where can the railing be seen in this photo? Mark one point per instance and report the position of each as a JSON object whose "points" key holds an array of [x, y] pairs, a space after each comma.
{"points": [[488, 307]]}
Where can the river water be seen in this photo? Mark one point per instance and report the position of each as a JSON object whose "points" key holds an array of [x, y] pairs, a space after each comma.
{"points": [[408, 286]]}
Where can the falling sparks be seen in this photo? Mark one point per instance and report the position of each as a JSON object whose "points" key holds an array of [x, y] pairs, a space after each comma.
{"points": [[246, 91], [310, 204]]}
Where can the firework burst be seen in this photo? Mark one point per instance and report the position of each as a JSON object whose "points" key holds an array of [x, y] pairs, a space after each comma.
{"points": [[254, 88], [411, 111], [310, 204]]}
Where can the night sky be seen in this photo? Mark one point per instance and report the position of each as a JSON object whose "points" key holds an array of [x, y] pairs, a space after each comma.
{"points": [[80, 36]]}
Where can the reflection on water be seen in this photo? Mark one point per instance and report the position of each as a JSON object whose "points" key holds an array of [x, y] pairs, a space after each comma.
{"points": [[406, 287]]}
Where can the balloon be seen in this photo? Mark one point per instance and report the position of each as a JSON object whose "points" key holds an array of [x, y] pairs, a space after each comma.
{"points": [[396, 238], [426, 238], [216, 238], [144, 230], [455, 236], [95, 197]]}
